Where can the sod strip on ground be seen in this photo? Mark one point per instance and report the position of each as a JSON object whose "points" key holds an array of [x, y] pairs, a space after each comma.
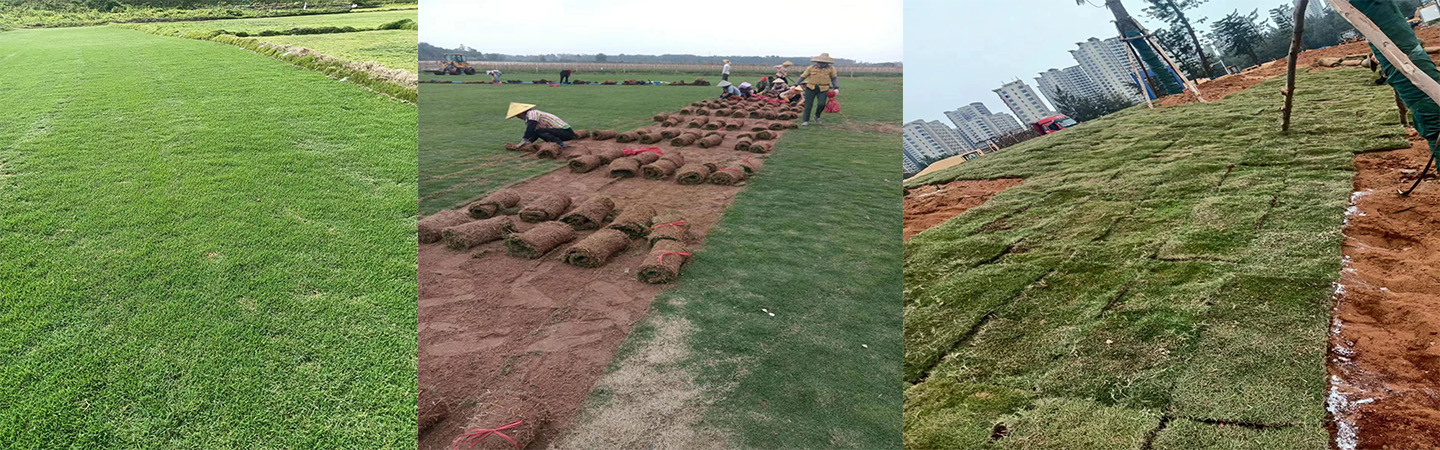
{"points": [[1159, 266], [201, 255], [813, 240], [396, 49], [358, 20]]}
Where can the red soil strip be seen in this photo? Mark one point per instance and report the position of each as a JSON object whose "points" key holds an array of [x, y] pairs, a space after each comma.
{"points": [[1385, 346], [1221, 87], [494, 327], [933, 204]]}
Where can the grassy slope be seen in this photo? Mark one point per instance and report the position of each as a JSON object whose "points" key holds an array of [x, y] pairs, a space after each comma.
{"points": [[1135, 275], [364, 20], [196, 259], [395, 49]]}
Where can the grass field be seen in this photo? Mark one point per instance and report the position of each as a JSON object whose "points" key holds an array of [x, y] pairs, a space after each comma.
{"points": [[216, 255], [812, 238], [395, 49], [1157, 274], [362, 21], [463, 131]]}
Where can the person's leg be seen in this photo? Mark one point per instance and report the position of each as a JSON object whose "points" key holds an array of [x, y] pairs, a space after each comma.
{"points": [[532, 135], [822, 99], [724, 77], [556, 135], [809, 101]]}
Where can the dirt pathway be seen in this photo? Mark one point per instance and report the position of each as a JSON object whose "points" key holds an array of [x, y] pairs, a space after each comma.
{"points": [[500, 333], [1385, 343], [933, 204]]}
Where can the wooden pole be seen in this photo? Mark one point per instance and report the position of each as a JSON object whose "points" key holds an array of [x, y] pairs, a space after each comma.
{"points": [[1161, 50], [1397, 57], [1145, 88], [1295, 42]]}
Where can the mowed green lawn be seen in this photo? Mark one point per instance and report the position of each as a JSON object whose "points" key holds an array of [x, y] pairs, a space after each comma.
{"points": [[396, 49], [1159, 273], [813, 237], [200, 255], [360, 20]]}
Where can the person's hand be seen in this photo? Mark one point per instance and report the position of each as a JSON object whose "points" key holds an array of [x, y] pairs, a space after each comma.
{"points": [[836, 91]]}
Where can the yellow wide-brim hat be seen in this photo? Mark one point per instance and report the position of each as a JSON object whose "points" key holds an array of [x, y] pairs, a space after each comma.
{"points": [[517, 108], [823, 58], [787, 64]]}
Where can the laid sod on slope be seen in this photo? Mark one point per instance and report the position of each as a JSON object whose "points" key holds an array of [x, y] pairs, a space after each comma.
{"points": [[1170, 266], [813, 239], [200, 255], [395, 49], [358, 20]]}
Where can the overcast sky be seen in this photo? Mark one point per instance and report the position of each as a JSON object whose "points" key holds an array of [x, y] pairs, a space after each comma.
{"points": [[958, 52], [864, 30]]}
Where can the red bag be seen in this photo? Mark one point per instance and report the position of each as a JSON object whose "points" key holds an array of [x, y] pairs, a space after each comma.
{"points": [[636, 151], [832, 105]]}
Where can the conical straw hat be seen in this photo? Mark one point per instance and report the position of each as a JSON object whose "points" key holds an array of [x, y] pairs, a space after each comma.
{"points": [[517, 108], [824, 57]]}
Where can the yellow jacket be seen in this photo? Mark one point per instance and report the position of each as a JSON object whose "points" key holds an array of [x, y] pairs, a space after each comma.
{"points": [[816, 78]]}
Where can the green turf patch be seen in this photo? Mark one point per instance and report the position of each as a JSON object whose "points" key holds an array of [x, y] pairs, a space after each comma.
{"points": [[1062, 424], [1184, 434], [1190, 252], [395, 49], [361, 21], [945, 414], [204, 248]]}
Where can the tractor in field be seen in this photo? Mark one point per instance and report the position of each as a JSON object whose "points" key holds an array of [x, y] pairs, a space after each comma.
{"points": [[454, 64]]}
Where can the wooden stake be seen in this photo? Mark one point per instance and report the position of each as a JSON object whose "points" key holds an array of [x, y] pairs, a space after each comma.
{"points": [[1140, 82], [1397, 57], [1299, 25], [1175, 67]]}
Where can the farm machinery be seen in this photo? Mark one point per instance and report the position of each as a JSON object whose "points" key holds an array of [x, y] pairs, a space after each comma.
{"points": [[454, 64]]}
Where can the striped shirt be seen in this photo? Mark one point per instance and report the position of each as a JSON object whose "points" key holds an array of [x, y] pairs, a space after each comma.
{"points": [[545, 120]]}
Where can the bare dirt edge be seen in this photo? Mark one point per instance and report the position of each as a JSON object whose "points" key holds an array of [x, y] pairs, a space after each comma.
{"points": [[932, 205]]}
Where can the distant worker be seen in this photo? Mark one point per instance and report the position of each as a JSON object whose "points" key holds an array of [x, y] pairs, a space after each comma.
{"points": [[565, 76], [725, 72], [778, 86], [728, 90], [782, 71], [540, 125], [746, 90], [494, 75], [818, 80], [763, 85]]}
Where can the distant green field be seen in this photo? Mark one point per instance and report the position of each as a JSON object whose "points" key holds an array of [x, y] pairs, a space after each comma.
{"points": [[363, 21], [1159, 274], [395, 49], [201, 248]]}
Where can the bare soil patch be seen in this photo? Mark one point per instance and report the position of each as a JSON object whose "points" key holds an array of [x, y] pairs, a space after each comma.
{"points": [[494, 328], [931, 205], [1385, 345]]}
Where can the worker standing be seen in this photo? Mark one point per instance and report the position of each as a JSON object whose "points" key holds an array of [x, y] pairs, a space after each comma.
{"points": [[540, 125], [818, 80], [725, 71], [782, 71]]}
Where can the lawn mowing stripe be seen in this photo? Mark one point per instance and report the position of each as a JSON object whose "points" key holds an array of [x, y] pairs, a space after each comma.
{"points": [[1204, 206]]}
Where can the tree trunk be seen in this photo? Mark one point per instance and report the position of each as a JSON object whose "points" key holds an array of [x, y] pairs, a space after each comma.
{"points": [[1200, 49], [1299, 30]]}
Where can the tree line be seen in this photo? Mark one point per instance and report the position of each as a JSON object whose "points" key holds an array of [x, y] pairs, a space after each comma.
{"points": [[429, 52]]}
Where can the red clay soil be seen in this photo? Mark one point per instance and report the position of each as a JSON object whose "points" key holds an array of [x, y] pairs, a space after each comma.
{"points": [[933, 204], [1221, 87], [495, 327], [1385, 345]]}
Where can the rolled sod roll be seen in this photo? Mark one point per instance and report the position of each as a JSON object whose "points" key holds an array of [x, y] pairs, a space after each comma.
{"points": [[687, 111], [610, 154], [647, 157], [756, 114], [693, 173], [671, 122], [697, 123], [789, 116], [548, 150], [702, 112], [431, 226], [628, 136], [685, 139], [519, 147], [761, 147], [658, 170], [597, 248], [765, 135], [603, 135], [722, 112], [792, 125], [470, 234], [538, 241], [714, 133], [544, 208], [591, 214], [634, 220], [582, 134], [584, 163], [493, 204], [663, 264], [669, 226], [674, 157], [733, 125], [711, 141], [625, 167], [777, 126], [713, 125], [743, 145], [769, 115], [759, 127], [652, 138], [731, 174], [669, 134], [739, 114], [661, 117]]}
